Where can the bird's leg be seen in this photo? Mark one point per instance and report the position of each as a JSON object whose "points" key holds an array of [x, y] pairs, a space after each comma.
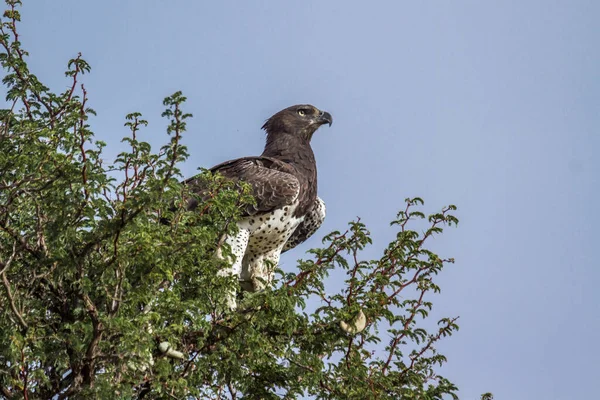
{"points": [[237, 244], [263, 270]]}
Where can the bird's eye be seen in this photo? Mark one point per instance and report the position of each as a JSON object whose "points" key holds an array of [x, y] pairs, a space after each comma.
{"points": [[301, 113]]}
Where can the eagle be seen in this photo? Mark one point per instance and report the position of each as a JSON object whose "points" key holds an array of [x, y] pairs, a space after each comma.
{"points": [[283, 180]]}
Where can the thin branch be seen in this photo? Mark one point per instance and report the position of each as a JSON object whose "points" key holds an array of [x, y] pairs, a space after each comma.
{"points": [[88, 369], [6, 265], [11, 300], [399, 338], [432, 340], [6, 392], [24, 372]]}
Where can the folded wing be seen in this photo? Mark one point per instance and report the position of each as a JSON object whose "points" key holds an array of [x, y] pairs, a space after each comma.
{"points": [[273, 186]]}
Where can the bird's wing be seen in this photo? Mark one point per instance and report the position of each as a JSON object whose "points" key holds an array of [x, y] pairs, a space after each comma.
{"points": [[312, 221], [273, 185]]}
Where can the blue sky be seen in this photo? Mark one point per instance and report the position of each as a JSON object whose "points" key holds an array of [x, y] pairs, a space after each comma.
{"points": [[492, 106]]}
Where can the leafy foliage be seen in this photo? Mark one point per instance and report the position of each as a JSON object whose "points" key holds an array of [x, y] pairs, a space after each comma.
{"points": [[101, 299]]}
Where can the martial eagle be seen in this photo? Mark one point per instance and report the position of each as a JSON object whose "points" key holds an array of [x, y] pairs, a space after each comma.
{"points": [[284, 183]]}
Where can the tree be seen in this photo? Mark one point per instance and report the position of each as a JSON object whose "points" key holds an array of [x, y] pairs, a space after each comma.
{"points": [[100, 299]]}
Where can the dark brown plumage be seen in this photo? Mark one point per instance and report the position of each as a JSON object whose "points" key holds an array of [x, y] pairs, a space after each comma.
{"points": [[287, 155]]}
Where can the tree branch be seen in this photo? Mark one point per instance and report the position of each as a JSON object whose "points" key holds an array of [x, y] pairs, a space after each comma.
{"points": [[13, 306]]}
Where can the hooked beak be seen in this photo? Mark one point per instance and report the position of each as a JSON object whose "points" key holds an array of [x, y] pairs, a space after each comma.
{"points": [[324, 118]]}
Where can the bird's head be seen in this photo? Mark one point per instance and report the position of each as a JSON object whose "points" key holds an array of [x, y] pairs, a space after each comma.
{"points": [[302, 120]]}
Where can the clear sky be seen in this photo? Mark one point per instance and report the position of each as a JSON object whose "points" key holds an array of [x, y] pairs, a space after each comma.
{"points": [[490, 105]]}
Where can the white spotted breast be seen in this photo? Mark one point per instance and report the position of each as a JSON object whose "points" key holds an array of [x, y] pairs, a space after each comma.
{"points": [[270, 231]]}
